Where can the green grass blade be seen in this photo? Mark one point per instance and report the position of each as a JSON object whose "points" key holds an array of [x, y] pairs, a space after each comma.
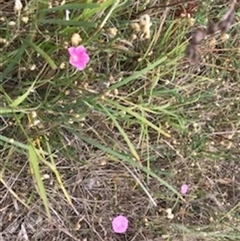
{"points": [[14, 60], [88, 13], [57, 174], [138, 116], [34, 163], [4, 139], [62, 22], [73, 6], [138, 74], [123, 133], [47, 58], [21, 98]]}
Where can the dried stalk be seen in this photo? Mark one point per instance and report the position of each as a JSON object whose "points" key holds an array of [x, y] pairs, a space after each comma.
{"points": [[223, 25]]}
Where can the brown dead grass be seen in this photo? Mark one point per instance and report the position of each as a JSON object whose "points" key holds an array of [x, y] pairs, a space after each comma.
{"points": [[101, 188]]}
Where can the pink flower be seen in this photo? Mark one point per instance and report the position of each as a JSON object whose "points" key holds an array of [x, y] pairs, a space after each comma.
{"points": [[120, 224], [184, 188], [78, 57]]}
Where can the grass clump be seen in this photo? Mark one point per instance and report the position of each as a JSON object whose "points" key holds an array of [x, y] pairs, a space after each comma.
{"points": [[123, 135]]}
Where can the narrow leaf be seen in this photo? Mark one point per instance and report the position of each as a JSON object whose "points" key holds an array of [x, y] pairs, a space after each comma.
{"points": [[47, 58], [123, 133], [33, 160]]}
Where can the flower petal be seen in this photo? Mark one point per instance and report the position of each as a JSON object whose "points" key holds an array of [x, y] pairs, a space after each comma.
{"points": [[184, 188], [81, 49], [73, 61], [86, 58], [120, 224], [80, 66], [78, 57], [72, 50]]}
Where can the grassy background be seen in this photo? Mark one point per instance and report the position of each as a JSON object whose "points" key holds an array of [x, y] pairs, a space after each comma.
{"points": [[121, 137]]}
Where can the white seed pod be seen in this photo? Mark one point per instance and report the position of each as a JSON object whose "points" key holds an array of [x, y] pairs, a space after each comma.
{"points": [[67, 15], [147, 34], [18, 6], [135, 27], [12, 23], [25, 19], [112, 32], [191, 21], [169, 213], [144, 20], [145, 24], [76, 39], [34, 114], [62, 65], [65, 44], [32, 67], [225, 36], [3, 40], [133, 37]]}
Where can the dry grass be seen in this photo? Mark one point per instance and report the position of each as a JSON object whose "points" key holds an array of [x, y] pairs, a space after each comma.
{"points": [[99, 134]]}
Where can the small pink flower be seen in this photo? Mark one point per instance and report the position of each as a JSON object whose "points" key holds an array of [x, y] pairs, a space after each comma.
{"points": [[120, 224], [78, 57], [184, 188]]}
